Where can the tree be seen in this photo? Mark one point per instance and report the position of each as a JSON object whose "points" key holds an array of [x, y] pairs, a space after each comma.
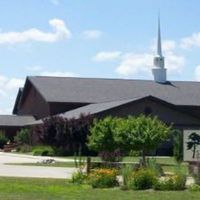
{"points": [[67, 136], [103, 137], [194, 141], [143, 133], [132, 133]]}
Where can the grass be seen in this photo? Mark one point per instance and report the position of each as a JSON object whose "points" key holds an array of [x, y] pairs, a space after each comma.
{"points": [[56, 189], [57, 164], [168, 163]]}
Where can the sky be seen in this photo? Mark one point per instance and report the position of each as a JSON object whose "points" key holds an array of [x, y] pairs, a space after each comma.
{"points": [[95, 38]]}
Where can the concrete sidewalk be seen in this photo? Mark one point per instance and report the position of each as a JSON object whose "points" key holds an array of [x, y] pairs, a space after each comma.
{"points": [[32, 171]]}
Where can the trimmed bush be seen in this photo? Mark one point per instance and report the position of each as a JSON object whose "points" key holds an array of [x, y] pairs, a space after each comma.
{"points": [[175, 182], [103, 178], [3, 139], [43, 151], [144, 178]]}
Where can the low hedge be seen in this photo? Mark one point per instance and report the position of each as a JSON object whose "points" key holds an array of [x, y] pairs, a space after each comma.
{"points": [[43, 151]]}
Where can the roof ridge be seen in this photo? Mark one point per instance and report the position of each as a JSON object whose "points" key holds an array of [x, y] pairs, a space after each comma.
{"points": [[109, 78]]}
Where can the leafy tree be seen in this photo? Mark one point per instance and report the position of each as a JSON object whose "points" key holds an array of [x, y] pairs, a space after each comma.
{"points": [[103, 137], [194, 141], [132, 133], [103, 134], [143, 133], [67, 136]]}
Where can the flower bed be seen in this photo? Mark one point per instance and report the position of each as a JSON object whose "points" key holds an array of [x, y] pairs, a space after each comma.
{"points": [[103, 178]]}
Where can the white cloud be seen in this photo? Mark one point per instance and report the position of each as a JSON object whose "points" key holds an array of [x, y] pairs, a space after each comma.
{"points": [[60, 32], [190, 41], [58, 74], [107, 56], [92, 34], [8, 91], [133, 64], [197, 73], [136, 64], [7, 84], [174, 63]]}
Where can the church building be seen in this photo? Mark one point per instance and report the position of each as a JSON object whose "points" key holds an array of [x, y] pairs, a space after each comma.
{"points": [[174, 102]]}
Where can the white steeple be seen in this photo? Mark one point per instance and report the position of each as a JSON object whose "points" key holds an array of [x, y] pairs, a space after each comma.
{"points": [[159, 70], [159, 47]]}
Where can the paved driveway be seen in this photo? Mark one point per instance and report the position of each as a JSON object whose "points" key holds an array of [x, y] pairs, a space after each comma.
{"points": [[31, 171]]}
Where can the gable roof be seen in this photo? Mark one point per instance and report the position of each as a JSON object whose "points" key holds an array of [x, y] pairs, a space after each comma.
{"points": [[97, 90], [94, 108], [105, 106], [15, 120], [97, 108]]}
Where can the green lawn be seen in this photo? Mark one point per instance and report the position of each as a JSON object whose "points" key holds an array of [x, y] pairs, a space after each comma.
{"points": [[56, 189], [57, 164]]}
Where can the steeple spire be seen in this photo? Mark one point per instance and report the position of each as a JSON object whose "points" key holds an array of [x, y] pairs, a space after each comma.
{"points": [[159, 70], [159, 45]]}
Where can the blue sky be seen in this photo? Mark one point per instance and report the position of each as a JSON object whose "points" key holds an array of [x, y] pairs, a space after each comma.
{"points": [[95, 38]]}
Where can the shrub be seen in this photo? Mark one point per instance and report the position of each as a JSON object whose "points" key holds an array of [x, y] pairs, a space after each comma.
{"points": [[3, 139], [43, 151], [175, 182], [144, 178], [79, 177], [194, 188], [23, 136], [178, 145], [103, 178]]}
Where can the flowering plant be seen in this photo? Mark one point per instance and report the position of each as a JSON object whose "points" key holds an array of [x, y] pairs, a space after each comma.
{"points": [[103, 178]]}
